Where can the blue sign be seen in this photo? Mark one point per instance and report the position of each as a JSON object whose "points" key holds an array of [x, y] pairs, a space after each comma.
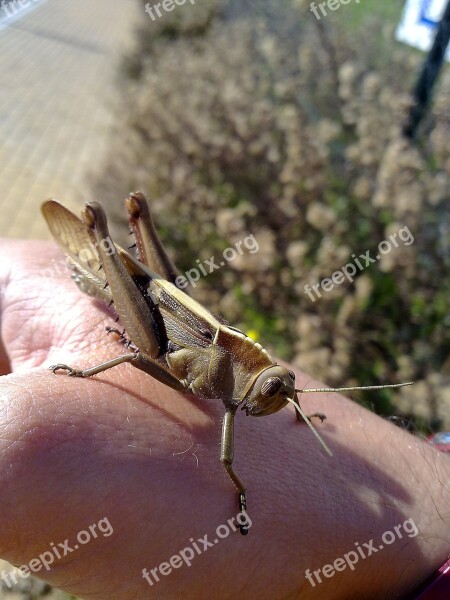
{"points": [[431, 12], [419, 23]]}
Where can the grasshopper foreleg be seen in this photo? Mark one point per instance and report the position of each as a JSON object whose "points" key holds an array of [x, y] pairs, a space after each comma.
{"points": [[317, 415], [226, 457]]}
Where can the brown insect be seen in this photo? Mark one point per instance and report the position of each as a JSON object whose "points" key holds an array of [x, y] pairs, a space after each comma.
{"points": [[172, 337]]}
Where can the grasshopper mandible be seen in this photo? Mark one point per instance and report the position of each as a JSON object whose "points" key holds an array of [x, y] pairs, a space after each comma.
{"points": [[173, 337]]}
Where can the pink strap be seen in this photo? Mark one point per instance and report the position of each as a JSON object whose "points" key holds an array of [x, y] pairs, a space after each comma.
{"points": [[439, 586]]}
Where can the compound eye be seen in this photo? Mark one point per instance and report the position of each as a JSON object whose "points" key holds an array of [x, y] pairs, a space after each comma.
{"points": [[292, 375], [271, 386]]}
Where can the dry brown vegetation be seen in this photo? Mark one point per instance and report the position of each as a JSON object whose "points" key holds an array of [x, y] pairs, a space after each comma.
{"points": [[236, 121]]}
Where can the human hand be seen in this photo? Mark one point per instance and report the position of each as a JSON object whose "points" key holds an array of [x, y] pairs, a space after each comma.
{"points": [[124, 447]]}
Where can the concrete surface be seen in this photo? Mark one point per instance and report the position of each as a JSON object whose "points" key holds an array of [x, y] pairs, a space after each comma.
{"points": [[58, 81]]}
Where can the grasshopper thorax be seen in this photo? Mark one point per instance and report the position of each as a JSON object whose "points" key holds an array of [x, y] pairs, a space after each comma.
{"points": [[270, 391]]}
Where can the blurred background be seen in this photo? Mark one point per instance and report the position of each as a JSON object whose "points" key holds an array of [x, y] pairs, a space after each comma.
{"points": [[245, 117]]}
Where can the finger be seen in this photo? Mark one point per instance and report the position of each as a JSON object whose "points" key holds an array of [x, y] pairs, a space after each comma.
{"points": [[35, 284]]}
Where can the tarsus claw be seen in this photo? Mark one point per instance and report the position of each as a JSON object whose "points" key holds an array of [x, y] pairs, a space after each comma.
{"points": [[70, 371], [320, 416]]}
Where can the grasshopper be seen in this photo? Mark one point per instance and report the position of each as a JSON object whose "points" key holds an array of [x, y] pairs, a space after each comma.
{"points": [[173, 338]]}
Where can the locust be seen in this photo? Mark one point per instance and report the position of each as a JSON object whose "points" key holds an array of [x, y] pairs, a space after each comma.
{"points": [[167, 333]]}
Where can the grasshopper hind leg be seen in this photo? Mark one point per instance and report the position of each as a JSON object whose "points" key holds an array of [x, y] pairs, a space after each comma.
{"points": [[123, 339], [150, 250]]}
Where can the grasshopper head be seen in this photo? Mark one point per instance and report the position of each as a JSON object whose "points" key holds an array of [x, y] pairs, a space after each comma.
{"points": [[270, 392]]}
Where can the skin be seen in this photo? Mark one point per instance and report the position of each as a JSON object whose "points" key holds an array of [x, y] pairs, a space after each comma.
{"points": [[125, 447]]}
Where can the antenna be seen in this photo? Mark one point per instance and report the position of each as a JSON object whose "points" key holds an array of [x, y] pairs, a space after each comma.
{"points": [[310, 425], [364, 387]]}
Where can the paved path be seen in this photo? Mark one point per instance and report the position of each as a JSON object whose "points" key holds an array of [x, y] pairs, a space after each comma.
{"points": [[58, 69]]}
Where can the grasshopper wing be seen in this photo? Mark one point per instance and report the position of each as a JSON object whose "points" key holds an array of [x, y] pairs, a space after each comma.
{"points": [[83, 245], [79, 244]]}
